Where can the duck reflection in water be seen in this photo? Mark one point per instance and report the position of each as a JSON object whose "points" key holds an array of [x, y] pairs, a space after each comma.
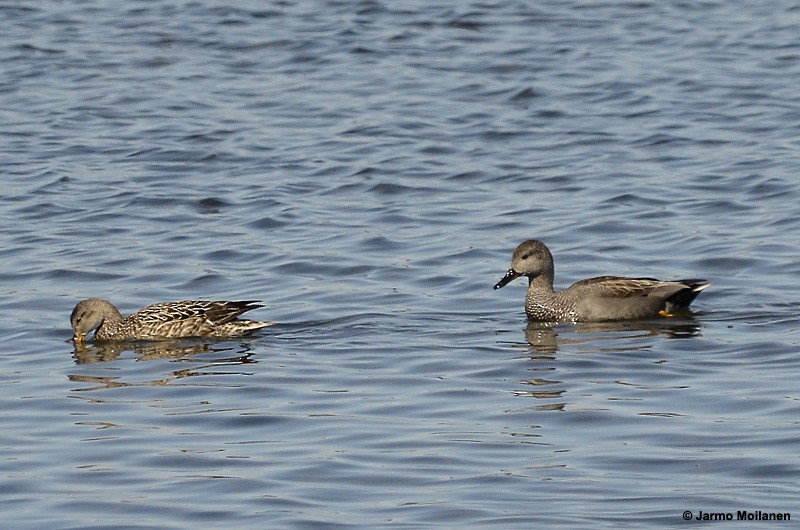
{"points": [[195, 358], [544, 382], [144, 351], [545, 337]]}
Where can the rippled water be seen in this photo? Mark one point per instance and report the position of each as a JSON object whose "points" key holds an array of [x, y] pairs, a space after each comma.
{"points": [[366, 169]]}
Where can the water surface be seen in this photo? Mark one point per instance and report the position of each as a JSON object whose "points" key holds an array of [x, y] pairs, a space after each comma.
{"points": [[366, 169]]}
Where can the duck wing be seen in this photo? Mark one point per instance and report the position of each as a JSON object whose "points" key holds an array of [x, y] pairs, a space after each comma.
{"points": [[215, 312], [623, 287]]}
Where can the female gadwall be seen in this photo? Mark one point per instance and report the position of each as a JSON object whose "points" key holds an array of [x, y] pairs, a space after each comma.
{"points": [[167, 320], [595, 299]]}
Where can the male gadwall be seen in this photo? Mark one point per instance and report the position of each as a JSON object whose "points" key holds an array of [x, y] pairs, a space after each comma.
{"points": [[604, 298], [167, 320]]}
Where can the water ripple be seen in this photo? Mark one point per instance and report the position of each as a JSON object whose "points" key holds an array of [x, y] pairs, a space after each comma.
{"points": [[366, 171]]}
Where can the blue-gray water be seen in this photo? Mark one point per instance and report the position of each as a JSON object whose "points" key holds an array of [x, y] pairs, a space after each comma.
{"points": [[365, 169]]}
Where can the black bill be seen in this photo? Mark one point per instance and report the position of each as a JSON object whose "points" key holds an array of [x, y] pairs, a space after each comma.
{"points": [[510, 275]]}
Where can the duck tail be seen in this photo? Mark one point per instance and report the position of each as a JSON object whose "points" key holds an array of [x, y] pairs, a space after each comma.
{"points": [[684, 297]]}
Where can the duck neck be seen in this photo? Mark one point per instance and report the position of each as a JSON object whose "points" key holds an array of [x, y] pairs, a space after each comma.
{"points": [[112, 318], [541, 282], [112, 314]]}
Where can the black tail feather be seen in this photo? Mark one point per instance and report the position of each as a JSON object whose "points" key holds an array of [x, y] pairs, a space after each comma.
{"points": [[684, 297]]}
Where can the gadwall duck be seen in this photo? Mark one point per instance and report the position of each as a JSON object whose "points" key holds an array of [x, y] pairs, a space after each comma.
{"points": [[166, 320], [604, 298]]}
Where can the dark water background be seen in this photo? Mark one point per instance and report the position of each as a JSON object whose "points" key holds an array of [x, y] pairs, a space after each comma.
{"points": [[366, 169]]}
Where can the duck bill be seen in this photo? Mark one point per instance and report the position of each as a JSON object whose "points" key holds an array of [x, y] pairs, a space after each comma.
{"points": [[78, 339], [510, 275]]}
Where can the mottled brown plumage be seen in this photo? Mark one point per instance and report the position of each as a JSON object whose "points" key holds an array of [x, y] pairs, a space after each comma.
{"points": [[166, 320], [599, 299]]}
